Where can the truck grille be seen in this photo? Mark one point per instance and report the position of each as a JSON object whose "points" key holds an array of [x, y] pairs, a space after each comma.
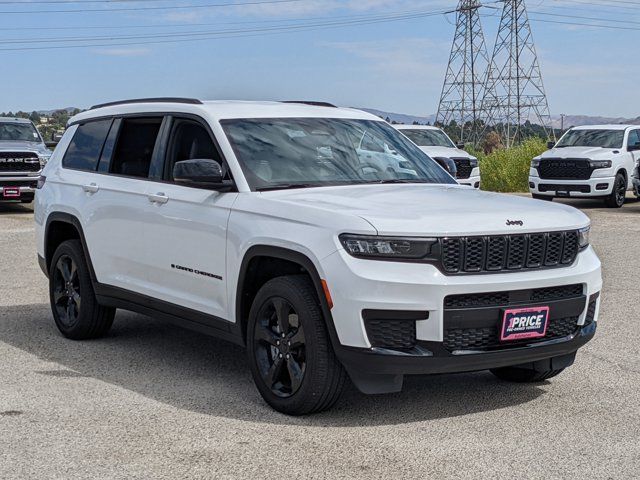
{"points": [[19, 162], [489, 337], [507, 253], [565, 169], [463, 167], [496, 299]]}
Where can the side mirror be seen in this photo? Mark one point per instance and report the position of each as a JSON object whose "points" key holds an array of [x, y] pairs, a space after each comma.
{"points": [[634, 147], [199, 173], [460, 146], [550, 145]]}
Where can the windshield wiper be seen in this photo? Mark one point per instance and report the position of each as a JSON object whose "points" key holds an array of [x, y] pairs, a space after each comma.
{"points": [[397, 180], [286, 186]]}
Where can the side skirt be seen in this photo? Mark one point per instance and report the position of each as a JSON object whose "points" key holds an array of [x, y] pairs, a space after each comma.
{"points": [[180, 316]]}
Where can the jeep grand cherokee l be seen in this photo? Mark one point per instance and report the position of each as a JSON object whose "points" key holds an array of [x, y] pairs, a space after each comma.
{"points": [[261, 223], [588, 162], [22, 154]]}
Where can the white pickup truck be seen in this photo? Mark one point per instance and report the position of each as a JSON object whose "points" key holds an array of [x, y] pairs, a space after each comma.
{"points": [[595, 162]]}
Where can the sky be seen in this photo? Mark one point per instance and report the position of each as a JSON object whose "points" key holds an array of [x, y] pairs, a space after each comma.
{"points": [[388, 55]]}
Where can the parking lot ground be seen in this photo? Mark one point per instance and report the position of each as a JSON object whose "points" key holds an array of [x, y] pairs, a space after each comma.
{"points": [[155, 401]]}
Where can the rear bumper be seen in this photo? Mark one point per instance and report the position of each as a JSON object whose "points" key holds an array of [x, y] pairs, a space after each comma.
{"points": [[428, 358]]}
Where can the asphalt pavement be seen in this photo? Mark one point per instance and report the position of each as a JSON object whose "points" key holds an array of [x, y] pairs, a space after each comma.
{"points": [[154, 401]]}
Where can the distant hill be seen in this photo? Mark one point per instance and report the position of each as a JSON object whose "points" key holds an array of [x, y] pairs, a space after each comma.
{"points": [[569, 120]]}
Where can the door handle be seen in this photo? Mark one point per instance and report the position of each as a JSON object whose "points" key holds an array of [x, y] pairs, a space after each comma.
{"points": [[91, 188], [159, 198]]}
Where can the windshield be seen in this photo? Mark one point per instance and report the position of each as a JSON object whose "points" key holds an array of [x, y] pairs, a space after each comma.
{"points": [[592, 138], [428, 138], [18, 132], [313, 152]]}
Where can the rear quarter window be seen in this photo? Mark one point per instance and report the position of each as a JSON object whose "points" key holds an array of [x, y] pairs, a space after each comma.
{"points": [[86, 146]]}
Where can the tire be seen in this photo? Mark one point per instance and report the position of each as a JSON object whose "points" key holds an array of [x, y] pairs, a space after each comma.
{"points": [[521, 375], [303, 375], [75, 309], [617, 197], [542, 197]]}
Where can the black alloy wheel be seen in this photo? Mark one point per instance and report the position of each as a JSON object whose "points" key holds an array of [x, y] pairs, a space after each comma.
{"points": [[619, 193], [67, 297], [279, 345]]}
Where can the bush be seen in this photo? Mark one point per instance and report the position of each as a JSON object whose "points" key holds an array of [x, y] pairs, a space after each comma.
{"points": [[507, 170]]}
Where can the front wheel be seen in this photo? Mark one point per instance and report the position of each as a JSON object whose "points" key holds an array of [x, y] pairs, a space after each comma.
{"points": [[289, 350], [618, 195], [521, 375]]}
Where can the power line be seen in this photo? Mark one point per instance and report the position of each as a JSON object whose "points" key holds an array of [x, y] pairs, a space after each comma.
{"points": [[167, 38], [137, 9]]}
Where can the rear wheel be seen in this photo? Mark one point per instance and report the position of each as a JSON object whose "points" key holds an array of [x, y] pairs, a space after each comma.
{"points": [[617, 197], [289, 350], [548, 198], [73, 302], [521, 375]]}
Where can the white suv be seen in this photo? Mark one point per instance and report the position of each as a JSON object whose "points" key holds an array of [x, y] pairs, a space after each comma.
{"points": [[595, 161], [436, 143], [263, 224]]}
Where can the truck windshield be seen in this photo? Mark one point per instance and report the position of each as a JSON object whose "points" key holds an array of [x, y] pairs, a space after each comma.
{"points": [[592, 138], [279, 153], [18, 132], [428, 138]]}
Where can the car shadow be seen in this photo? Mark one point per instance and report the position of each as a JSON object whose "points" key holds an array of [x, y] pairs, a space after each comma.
{"points": [[631, 204], [11, 208], [208, 376]]}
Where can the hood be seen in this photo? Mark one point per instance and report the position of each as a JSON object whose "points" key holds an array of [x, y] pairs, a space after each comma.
{"points": [[24, 146], [445, 152], [436, 210], [592, 153]]}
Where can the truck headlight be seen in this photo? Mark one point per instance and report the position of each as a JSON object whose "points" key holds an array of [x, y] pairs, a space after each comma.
{"points": [[363, 246], [44, 159], [473, 162], [600, 163], [535, 163], [583, 237]]}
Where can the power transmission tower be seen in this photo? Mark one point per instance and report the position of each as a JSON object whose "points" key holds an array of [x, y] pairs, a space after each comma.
{"points": [[514, 90], [464, 83]]}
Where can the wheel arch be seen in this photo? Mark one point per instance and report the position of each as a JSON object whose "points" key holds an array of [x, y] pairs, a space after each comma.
{"points": [[61, 226], [250, 279]]}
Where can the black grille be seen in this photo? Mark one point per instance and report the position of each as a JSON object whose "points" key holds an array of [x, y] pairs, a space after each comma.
{"points": [[463, 167], [488, 338], [492, 299], [19, 162], [565, 169], [508, 252], [385, 333], [553, 187]]}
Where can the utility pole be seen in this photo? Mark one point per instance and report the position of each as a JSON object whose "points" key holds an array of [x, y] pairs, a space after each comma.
{"points": [[514, 91], [464, 83]]}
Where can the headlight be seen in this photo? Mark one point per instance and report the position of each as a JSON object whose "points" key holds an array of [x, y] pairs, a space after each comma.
{"points": [[600, 163], [583, 237], [44, 159], [535, 163], [387, 247], [473, 162]]}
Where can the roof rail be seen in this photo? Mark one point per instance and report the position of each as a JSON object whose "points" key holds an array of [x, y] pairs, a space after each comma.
{"points": [[191, 101], [311, 102]]}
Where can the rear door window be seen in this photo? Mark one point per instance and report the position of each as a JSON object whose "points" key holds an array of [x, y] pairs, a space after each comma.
{"points": [[135, 146], [86, 146], [634, 138]]}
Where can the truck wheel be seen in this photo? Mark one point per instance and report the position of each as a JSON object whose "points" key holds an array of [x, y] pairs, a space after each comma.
{"points": [[521, 375], [617, 197], [75, 309], [548, 198], [289, 350]]}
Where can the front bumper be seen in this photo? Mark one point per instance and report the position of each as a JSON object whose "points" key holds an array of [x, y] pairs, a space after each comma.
{"points": [[472, 181], [23, 186], [593, 187]]}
